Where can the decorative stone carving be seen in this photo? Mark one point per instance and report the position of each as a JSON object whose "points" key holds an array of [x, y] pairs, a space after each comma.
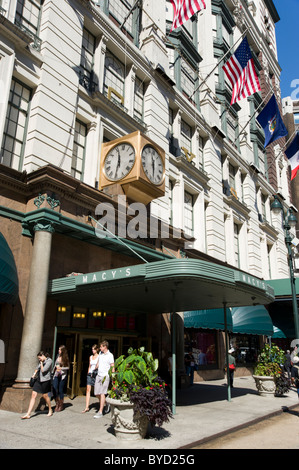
{"points": [[265, 385], [126, 425], [239, 16]]}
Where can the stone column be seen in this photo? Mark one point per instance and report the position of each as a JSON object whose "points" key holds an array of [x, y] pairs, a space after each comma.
{"points": [[36, 304]]}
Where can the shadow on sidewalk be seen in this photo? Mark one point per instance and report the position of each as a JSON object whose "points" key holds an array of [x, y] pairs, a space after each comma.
{"points": [[206, 393]]}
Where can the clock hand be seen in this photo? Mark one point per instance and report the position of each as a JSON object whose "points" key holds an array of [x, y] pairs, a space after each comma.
{"points": [[118, 163], [153, 165]]}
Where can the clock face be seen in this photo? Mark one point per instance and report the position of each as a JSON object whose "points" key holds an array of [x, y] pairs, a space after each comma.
{"points": [[152, 164], [119, 161]]}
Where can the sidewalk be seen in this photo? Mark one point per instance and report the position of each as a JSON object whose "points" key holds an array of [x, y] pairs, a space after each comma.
{"points": [[202, 411]]}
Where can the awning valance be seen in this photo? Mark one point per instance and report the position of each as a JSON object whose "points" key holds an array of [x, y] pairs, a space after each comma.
{"points": [[253, 320], [212, 319], [162, 287], [9, 285]]}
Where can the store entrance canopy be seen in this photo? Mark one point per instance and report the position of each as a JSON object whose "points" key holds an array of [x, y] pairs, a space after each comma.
{"points": [[162, 287], [9, 284], [174, 285]]}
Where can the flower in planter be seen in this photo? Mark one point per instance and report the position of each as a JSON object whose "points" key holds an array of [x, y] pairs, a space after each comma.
{"points": [[270, 361], [135, 379], [270, 364]]}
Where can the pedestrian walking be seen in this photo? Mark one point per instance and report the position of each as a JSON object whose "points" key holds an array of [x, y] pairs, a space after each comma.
{"points": [[42, 384], [231, 366], [189, 365], [106, 360], [61, 368], [295, 373], [288, 364], [91, 374]]}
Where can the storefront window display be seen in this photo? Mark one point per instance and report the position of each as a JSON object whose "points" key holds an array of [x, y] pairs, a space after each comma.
{"points": [[202, 343], [246, 348]]}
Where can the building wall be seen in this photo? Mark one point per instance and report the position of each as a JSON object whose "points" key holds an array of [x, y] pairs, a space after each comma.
{"points": [[218, 190]]}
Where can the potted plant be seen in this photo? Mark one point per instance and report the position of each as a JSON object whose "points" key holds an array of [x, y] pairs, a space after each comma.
{"points": [[268, 373], [137, 395]]}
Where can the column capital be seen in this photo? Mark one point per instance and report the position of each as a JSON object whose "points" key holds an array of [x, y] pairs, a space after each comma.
{"points": [[40, 220], [44, 226]]}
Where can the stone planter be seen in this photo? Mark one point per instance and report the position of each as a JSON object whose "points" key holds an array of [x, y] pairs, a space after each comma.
{"points": [[265, 385], [126, 426]]}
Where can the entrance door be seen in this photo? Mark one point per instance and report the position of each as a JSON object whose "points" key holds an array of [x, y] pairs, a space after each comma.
{"points": [[79, 350]]}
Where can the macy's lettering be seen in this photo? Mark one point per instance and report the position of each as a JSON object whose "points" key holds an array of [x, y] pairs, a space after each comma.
{"points": [[104, 276]]}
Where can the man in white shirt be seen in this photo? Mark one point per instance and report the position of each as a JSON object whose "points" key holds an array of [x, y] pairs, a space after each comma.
{"points": [[106, 360]]}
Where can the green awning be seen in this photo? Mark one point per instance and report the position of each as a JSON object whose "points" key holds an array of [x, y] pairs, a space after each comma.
{"points": [[212, 319], [278, 333], [9, 284], [252, 320]]}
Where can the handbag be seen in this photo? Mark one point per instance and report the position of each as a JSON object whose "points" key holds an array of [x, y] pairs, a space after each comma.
{"points": [[232, 367], [94, 373], [33, 380]]}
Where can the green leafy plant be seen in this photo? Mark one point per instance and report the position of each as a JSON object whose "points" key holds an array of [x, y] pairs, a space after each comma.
{"points": [[283, 384], [270, 361], [135, 379]]}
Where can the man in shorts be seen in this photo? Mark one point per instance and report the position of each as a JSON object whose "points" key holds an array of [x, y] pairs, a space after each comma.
{"points": [[106, 360]]}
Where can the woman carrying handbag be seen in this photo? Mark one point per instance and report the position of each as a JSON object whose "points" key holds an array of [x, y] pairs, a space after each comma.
{"points": [[42, 384]]}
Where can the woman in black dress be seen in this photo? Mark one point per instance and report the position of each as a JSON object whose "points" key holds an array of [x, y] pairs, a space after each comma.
{"points": [[42, 384]]}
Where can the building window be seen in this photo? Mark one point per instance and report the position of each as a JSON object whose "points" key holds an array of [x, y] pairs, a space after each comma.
{"points": [[114, 79], [79, 150], [173, 142], [236, 245], [87, 58], [263, 204], [232, 176], [188, 79], [14, 134], [171, 201], [188, 213], [246, 348], [200, 153], [186, 136], [28, 14], [231, 127], [138, 99], [203, 344], [121, 13]]}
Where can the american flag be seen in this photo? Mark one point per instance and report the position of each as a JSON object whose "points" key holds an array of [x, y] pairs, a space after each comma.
{"points": [[240, 71], [184, 9]]}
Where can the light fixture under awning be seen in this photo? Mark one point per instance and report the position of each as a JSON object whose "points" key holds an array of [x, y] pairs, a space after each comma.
{"points": [[9, 284]]}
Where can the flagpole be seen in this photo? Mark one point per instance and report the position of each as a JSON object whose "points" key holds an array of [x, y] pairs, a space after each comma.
{"points": [[219, 62], [132, 8]]}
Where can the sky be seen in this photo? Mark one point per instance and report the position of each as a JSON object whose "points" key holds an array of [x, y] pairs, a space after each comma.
{"points": [[287, 46]]}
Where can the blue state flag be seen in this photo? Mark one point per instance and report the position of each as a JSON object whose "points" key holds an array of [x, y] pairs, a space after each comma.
{"points": [[271, 122]]}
